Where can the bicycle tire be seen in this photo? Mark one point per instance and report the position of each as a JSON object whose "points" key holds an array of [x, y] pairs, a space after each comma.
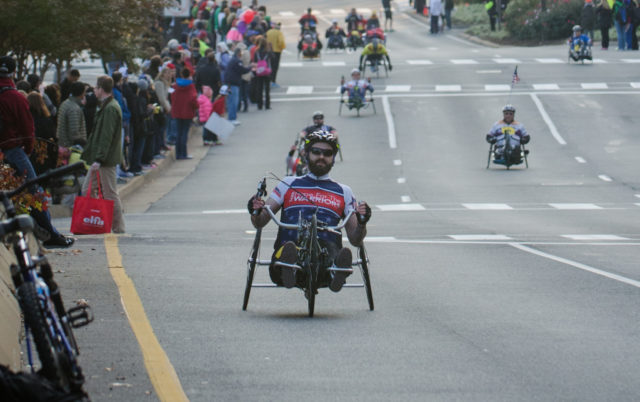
{"points": [[49, 350], [364, 268], [251, 269], [312, 265]]}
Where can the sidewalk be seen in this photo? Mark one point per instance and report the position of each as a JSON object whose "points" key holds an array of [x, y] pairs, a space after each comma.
{"points": [[126, 190]]}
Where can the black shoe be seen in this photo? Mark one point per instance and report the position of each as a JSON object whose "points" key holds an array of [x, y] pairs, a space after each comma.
{"points": [[288, 255], [59, 241], [343, 260]]}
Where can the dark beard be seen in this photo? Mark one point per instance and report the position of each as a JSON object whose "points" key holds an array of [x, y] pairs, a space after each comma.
{"points": [[320, 170]]}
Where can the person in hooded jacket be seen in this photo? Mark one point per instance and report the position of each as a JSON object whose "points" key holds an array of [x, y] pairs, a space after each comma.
{"points": [[183, 106]]}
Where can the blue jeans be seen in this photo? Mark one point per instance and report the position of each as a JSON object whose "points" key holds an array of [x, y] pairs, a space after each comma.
{"points": [[172, 130], [18, 159], [232, 101], [621, 36], [183, 134]]}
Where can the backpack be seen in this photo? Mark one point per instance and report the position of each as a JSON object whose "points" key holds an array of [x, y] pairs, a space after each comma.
{"points": [[2, 90], [262, 68]]}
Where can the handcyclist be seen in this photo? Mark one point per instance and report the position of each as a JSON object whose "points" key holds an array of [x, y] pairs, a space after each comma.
{"points": [[303, 196], [374, 52], [579, 44], [356, 88], [318, 124], [508, 126]]}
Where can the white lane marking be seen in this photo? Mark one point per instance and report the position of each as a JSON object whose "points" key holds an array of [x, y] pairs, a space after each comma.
{"points": [[286, 13], [599, 61], [419, 62], [637, 195], [291, 64], [549, 61], [391, 128], [463, 61], [488, 71], [486, 206], [397, 88], [480, 237], [547, 119], [448, 88], [299, 89], [592, 237], [224, 211], [631, 60], [364, 11], [333, 64], [635, 84], [338, 89], [507, 61], [398, 162], [380, 239], [578, 265], [402, 180], [338, 11], [546, 87], [604, 177], [497, 87], [637, 203], [400, 207], [594, 85], [580, 159], [575, 206], [405, 198]]}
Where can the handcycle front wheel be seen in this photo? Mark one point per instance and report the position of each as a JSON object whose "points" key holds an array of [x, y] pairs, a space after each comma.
{"points": [[251, 268], [364, 268]]}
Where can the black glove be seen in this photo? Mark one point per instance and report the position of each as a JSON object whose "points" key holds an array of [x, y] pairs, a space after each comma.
{"points": [[491, 139], [250, 205], [525, 140], [390, 67], [363, 219]]}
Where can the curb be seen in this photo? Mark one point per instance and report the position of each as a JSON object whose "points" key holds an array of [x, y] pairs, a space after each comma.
{"points": [[136, 182]]}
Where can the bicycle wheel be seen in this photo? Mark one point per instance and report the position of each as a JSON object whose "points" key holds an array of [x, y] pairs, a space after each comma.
{"points": [[251, 268], [55, 365], [313, 264], [364, 268]]}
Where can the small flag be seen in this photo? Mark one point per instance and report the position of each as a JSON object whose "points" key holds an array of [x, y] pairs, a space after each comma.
{"points": [[515, 79]]}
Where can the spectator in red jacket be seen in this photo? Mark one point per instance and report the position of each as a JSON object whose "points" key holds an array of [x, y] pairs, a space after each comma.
{"points": [[184, 104]]}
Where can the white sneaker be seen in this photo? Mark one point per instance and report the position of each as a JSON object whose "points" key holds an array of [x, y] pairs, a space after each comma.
{"points": [[235, 122]]}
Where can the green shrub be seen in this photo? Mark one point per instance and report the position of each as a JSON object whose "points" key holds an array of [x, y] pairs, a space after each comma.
{"points": [[466, 15], [526, 21]]}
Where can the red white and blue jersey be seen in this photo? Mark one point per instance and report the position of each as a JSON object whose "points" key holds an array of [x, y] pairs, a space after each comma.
{"points": [[297, 194]]}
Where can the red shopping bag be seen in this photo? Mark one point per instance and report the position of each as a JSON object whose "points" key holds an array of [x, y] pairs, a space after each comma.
{"points": [[92, 215]]}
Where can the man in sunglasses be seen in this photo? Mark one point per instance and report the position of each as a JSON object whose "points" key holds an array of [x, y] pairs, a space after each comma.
{"points": [[508, 126], [303, 195]]}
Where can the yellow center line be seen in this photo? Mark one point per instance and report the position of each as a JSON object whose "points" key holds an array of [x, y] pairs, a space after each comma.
{"points": [[161, 372]]}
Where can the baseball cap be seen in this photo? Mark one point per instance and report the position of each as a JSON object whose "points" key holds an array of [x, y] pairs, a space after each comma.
{"points": [[7, 66]]}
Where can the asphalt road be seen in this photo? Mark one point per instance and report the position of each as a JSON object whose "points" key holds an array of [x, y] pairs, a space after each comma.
{"points": [[489, 284]]}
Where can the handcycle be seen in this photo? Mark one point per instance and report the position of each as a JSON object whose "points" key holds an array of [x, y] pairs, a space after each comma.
{"points": [[356, 102], [579, 52], [47, 323], [376, 64], [310, 257], [510, 155]]}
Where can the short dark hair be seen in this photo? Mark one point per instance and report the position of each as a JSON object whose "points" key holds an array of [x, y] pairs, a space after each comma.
{"points": [[77, 88], [185, 73], [116, 76], [105, 83], [74, 73], [34, 80], [23, 85]]}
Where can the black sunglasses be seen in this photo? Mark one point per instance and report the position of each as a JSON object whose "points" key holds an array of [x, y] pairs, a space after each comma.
{"points": [[320, 151]]}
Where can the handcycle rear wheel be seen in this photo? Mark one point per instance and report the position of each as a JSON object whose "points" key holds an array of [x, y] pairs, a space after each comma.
{"points": [[251, 268], [364, 268]]}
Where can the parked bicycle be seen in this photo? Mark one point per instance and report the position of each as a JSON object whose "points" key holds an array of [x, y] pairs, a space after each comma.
{"points": [[47, 324]]}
